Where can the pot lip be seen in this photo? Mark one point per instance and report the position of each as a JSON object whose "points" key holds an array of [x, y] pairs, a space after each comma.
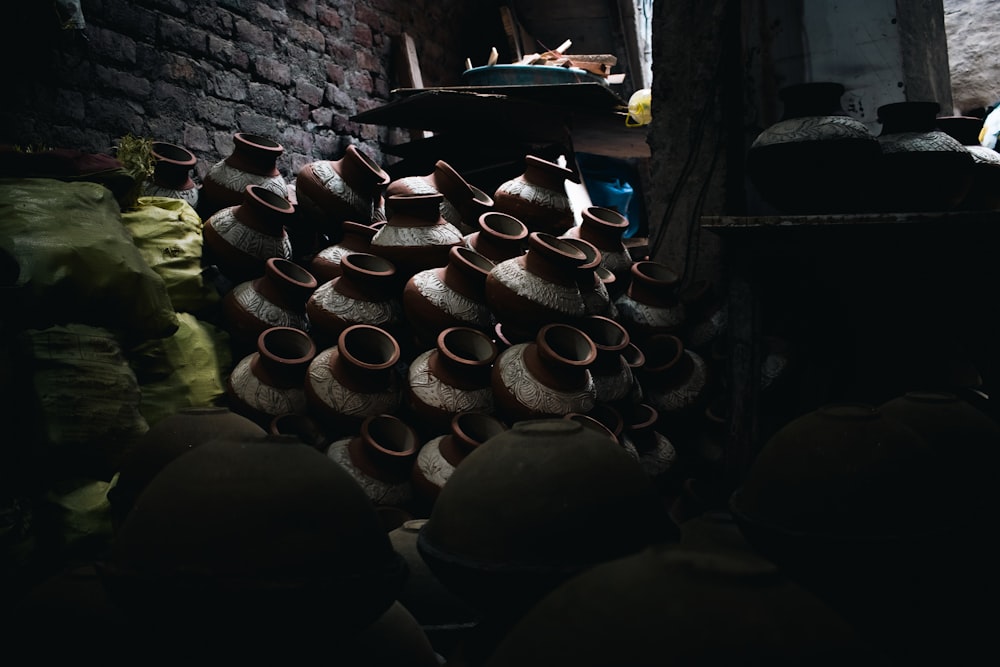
{"points": [[268, 199], [384, 177], [412, 439], [351, 262], [488, 216], [371, 330], [607, 217], [189, 159], [444, 349], [542, 340], [259, 141], [612, 323], [471, 258], [264, 351], [287, 269]]}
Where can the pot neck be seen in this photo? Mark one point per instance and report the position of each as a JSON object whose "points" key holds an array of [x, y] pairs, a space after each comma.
{"points": [[286, 284], [553, 259], [255, 154]]}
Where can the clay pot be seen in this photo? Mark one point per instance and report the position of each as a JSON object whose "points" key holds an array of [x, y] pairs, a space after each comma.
{"points": [[553, 480], [450, 378], [449, 296], [354, 237], [841, 499], [331, 192], [605, 229], [984, 193], [548, 377], [674, 379], [366, 292], [439, 456], [169, 438], [252, 536], [651, 304], [462, 203], [300, 426], [593, 280], [608, 615], [172, 173], [537, 288], [613, 378], [498, 236], [269, 382], [415, 236], [922, 168], [380, 458], [253, 161], [240, 239], [537, 197], [657, 454], [816, 159], [275, 299], [706, 315], [354, 379]]}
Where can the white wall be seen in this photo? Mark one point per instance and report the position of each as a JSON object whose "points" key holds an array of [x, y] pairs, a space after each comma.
{"points": [[973, 30]]}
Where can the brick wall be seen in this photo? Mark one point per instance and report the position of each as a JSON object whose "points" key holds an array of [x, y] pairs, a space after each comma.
{"points": [[193, 73]]}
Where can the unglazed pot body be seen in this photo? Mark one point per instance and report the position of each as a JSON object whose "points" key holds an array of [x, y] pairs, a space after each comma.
{"points": [[380, 457], [816, 159], [537, 197], [451, 378], [448, 296], [415, 236], [605, 228], [548, 377], [651, 304], [364, 293], [923, 168], [172, 173], [462, 203], [275, 299], [674, 379], [331, 192], [240, 239], [537, 288], [354, 237], [355, 379], [253, 161], [270, 381], [498, 236], [984, 193]]}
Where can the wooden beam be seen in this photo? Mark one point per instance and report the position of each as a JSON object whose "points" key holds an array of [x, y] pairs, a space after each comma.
{"points": [[408, 71]]}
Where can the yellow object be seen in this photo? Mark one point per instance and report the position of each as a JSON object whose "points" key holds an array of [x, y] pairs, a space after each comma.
{"points": [[639, 112]]}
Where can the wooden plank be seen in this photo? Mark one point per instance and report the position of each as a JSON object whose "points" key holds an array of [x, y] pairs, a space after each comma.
{"points": [[513, 30], [408, 71]]}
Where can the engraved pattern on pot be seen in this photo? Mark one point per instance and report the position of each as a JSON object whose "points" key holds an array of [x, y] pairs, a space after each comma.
{"points": [[530, 393], [436, 393], [536, 194], [640, 313], [615, 386], [236, 179], [356, 310], [325, 173], [904, 142], [813, 128], [252, 301], [660, 458], [557, 297], [250, 240], [346, 401], [190, 195], [417, 236], [431, 287], [265, 398], [685, 396], [380, 492], [432, 465]]}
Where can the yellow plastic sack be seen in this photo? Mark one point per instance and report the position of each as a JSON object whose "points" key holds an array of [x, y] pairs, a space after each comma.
{"points": [[168, 233], [185, 370], [77, 262]]}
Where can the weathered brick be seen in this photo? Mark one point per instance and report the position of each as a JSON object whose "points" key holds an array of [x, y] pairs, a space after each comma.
{"points": [[249, 120], [118, 116], [309, 93], [183, 37], [273, 70], [263, 97], [359, 82], [322, 116], [362, 36], [329, 17], [273, 17], [228, 53], [195, 138], [182, 70], [253, 34], [216, 112], [113, 45], [69, 104], [307, 7], [306, 34], [217, 21], [163, 126], [227, 85], [340, 99], [171, 98], [123, 83], [296, 110], [296, 140], [368, 16], [334, 73]]}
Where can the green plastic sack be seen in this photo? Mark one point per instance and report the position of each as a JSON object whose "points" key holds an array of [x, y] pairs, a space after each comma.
{"points": [[78, 263], [85, 396], [168, 233], [185, 370]]}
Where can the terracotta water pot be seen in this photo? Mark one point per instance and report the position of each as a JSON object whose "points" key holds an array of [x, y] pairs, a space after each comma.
{"points": [[172, 173], [415, 236], [605, 229], [354, 237], [537, 288], [816, 159], [240, 239], [253, 161], [498, 236], [651, 305], [984, 193], [380, 457], [350, 188], [537, 197], [462, 203]]}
